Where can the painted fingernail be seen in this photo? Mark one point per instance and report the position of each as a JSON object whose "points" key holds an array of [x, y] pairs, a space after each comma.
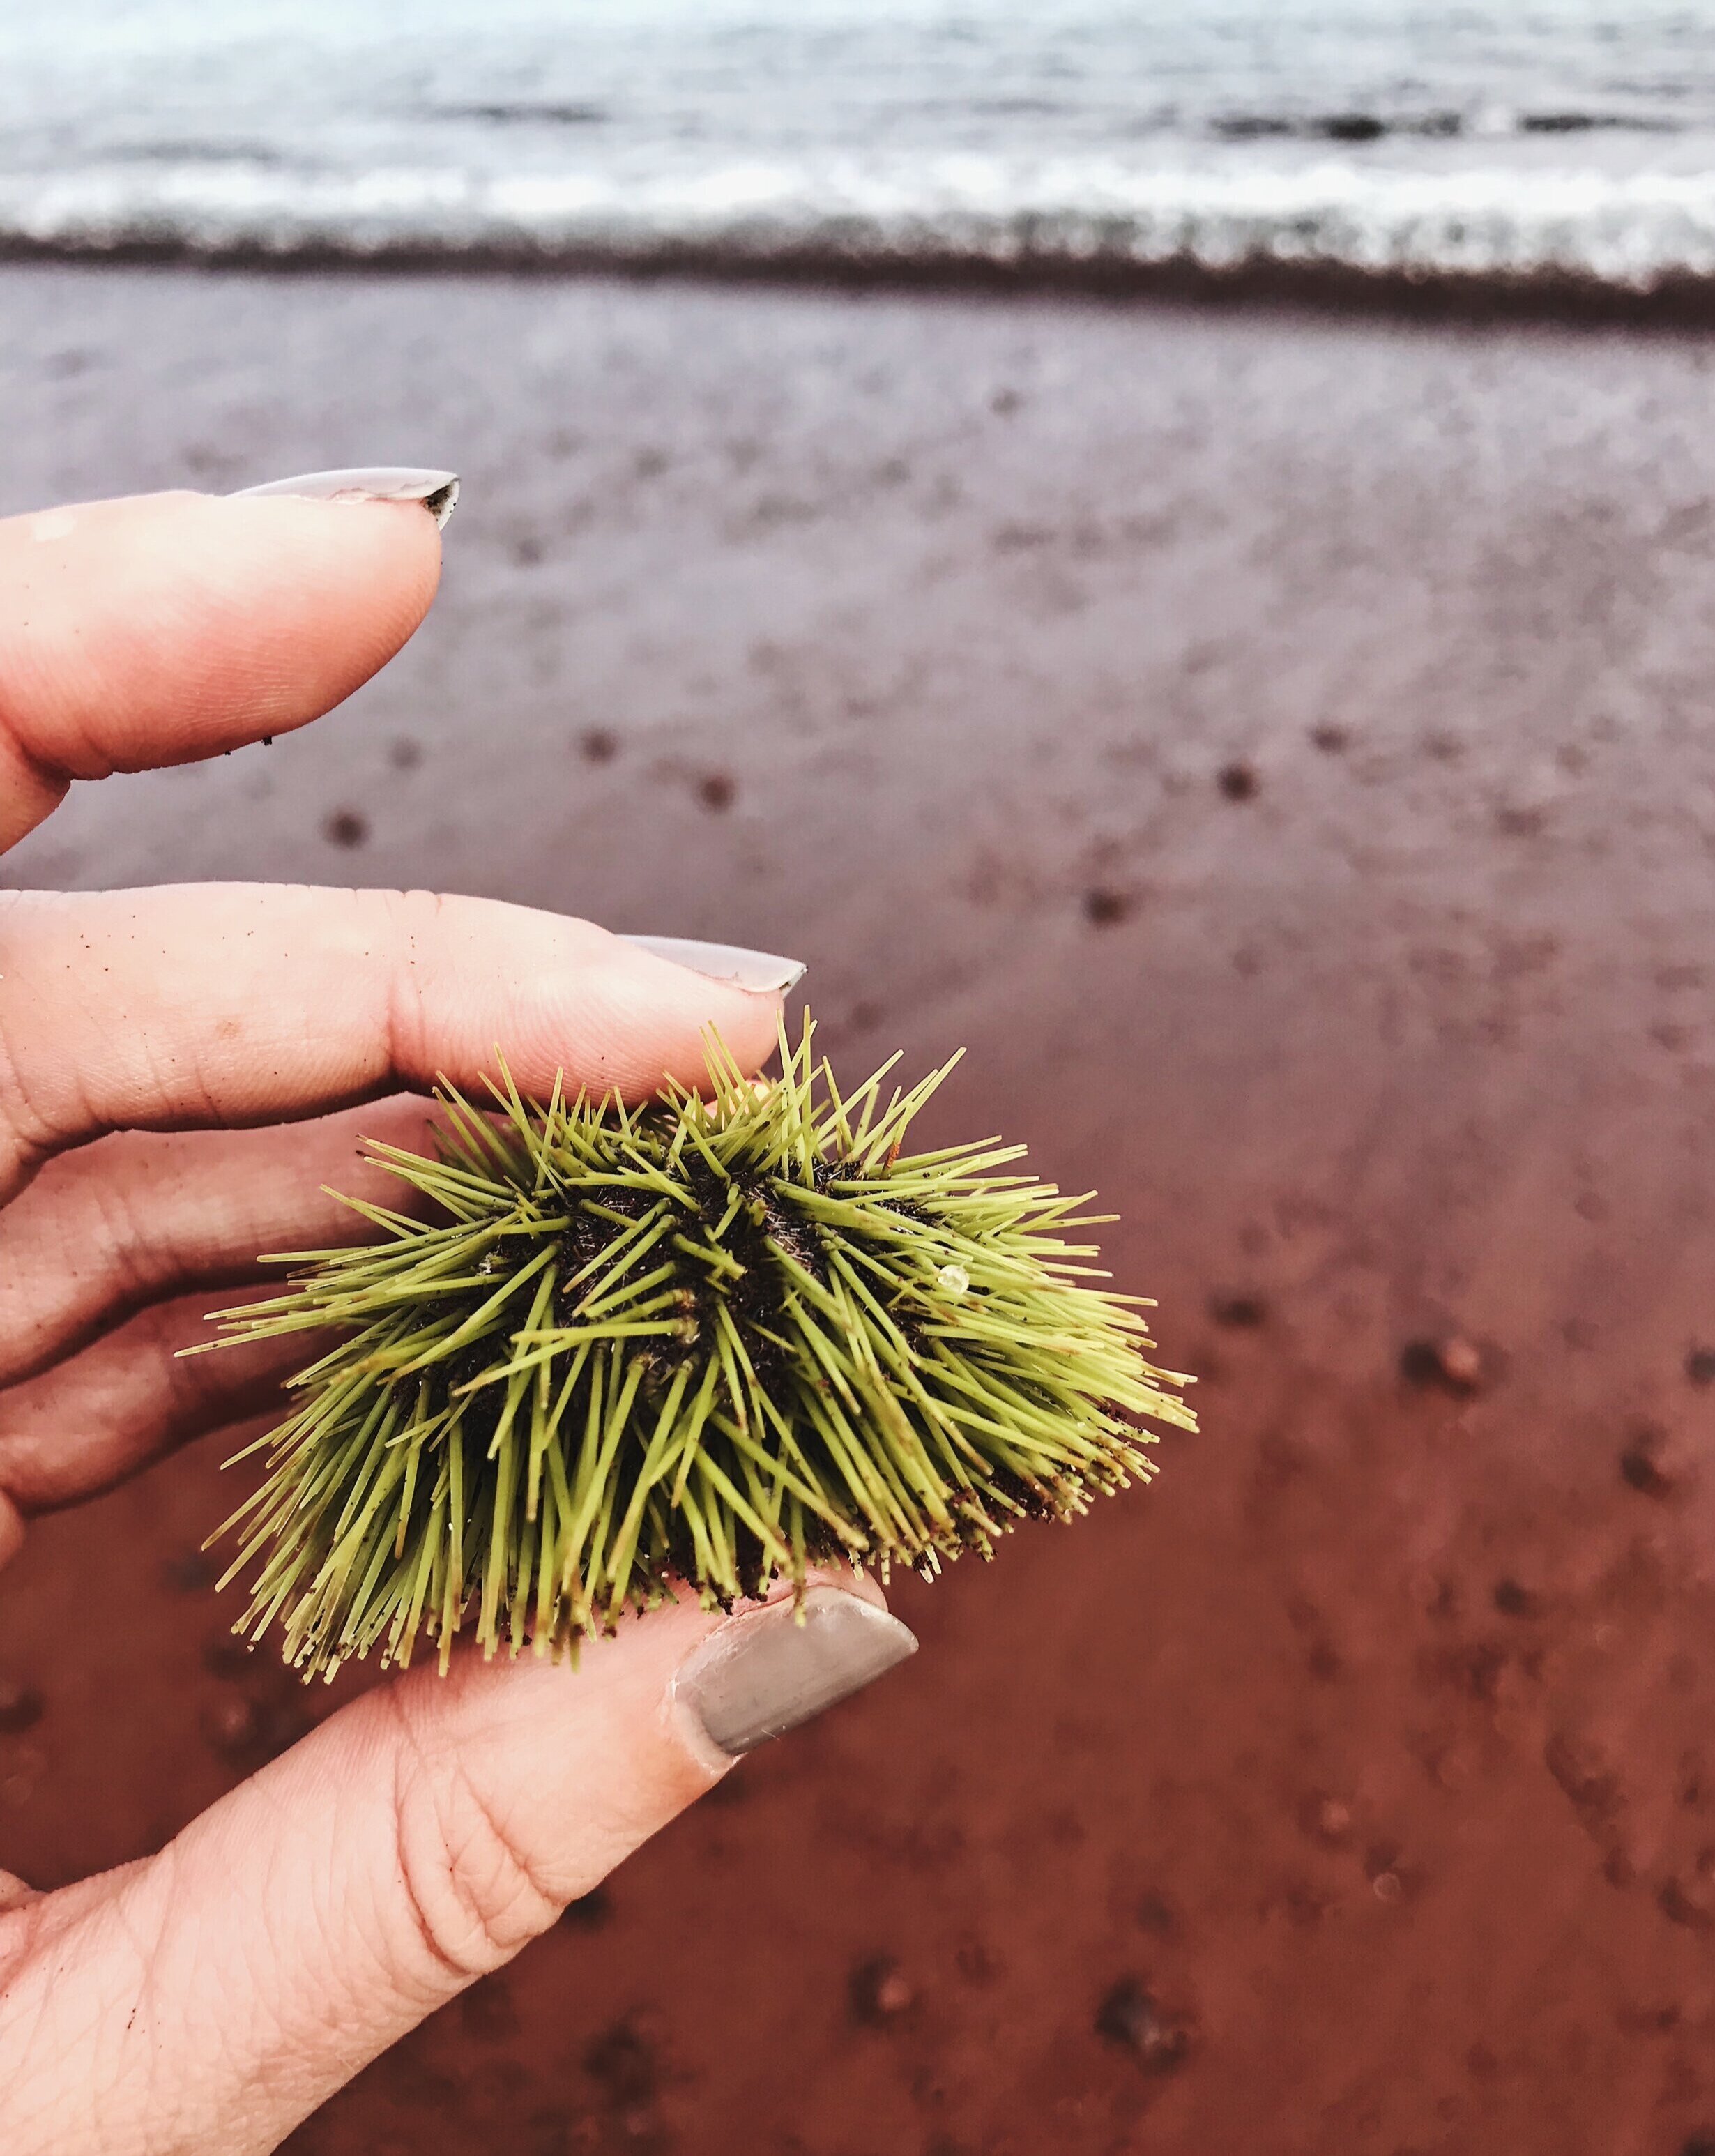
{"points": [[761, 972], [765, 1672], [437, 490]]}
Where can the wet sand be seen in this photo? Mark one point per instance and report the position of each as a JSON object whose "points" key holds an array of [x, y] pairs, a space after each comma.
{"points": [[1277, 747]]}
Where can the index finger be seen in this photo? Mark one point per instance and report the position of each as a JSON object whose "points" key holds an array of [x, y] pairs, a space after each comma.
{"points": [[206, 1005], [166, 627]]}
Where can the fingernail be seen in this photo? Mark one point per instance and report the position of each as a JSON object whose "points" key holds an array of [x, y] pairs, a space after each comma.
{"points": [[759, 971], [437, 490], [765, 1672]]}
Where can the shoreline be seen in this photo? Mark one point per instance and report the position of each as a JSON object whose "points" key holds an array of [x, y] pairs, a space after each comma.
{"points": [[1552, 296]]}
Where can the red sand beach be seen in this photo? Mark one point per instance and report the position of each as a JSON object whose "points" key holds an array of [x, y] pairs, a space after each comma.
{"points": [[1277, 748]]}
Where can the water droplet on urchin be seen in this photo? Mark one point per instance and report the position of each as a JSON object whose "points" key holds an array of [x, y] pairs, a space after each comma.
{"points": [[953, 1280]]}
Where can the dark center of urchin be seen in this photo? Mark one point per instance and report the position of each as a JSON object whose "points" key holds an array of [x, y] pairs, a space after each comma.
{"points": [[764, 1229]]}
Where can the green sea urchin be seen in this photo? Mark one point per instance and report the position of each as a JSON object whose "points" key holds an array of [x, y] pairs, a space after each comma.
{"points": [[709, 1342]]}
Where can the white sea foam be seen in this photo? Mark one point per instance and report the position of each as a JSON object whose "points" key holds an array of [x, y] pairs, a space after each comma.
{"points": [[1630, 230], [1514, 141]]}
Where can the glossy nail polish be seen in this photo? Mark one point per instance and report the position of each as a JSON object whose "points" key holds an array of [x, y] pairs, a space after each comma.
{"points": [[762, 972], [766, 1672], [437, 490]]}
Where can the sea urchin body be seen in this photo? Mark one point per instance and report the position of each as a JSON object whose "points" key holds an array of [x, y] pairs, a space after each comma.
{"points": [[704, 1343]]}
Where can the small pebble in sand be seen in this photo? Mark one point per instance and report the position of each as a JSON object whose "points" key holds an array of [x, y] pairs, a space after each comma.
{"points": [[1103, 906], [1387, 1886], [716, 791], [1330, 1821], [1238, 782], [229, 1725], [598, 745], [1512, 1599], [1243, 1312], [879, 1991], [1133, 2019], [1462, 1364], [1640, 1466], [1455, 1364], [1700, 1366], [345, 827], [21, 1706], [405, 754], [1332, 740]]}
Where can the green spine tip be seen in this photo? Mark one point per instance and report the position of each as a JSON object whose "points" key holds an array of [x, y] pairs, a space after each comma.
{"points": [[709, 1342]]}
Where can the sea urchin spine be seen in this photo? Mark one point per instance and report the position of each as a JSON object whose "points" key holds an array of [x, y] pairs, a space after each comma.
{"points": [[706, 1343]]}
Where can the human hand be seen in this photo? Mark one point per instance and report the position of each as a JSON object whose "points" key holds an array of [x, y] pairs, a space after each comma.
{"points": [[178, 1071]]}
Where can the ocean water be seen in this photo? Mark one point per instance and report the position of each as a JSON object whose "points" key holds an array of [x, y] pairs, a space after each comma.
{"points": [[1569, 142]]}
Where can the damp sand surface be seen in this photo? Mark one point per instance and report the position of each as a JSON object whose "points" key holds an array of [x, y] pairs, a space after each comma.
{"points": [[1279, 750]]}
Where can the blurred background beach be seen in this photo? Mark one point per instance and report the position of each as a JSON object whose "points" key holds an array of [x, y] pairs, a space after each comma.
{"points": [[1172, 546]]}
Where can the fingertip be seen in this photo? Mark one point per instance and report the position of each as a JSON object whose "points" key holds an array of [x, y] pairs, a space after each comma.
{"points": [[374, 566], [156, 629], [227, 1004], [556, 994], [736, 994]]}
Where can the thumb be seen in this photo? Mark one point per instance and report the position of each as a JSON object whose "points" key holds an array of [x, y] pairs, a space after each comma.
{"points": [[208, 1999]]}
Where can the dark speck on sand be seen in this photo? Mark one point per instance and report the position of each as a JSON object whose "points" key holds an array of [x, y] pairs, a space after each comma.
{"points": [[1104, 905], [1238, 782]]}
